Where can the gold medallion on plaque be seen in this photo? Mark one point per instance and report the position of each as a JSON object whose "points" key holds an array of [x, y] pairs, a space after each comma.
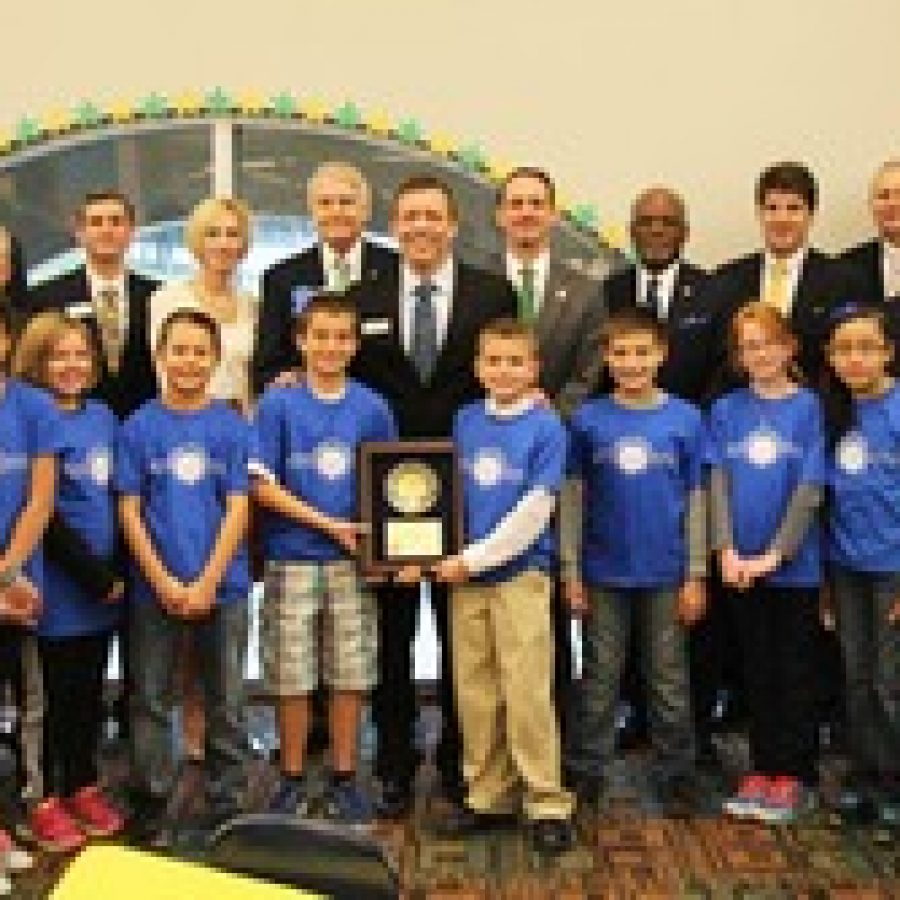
{"points": [[412, 487]]}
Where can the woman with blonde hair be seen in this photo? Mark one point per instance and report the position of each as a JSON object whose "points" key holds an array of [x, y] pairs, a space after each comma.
{"points": [[218, 236]]}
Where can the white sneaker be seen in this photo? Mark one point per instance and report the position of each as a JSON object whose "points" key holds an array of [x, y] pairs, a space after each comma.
{"points": [[5, 886]]}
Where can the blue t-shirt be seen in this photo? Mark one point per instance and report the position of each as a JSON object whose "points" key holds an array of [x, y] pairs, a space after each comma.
{"points": [[767, 449], [309, 445], [184, 465], [29, 426], [864, 478], [638, 466], [503, 458], [84, 499]]}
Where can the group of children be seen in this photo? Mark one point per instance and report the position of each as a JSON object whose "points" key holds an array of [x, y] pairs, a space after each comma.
{"points": [[771, 486]]}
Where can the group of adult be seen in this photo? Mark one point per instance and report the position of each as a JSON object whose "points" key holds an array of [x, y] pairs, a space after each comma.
{"points": [[424, 296]]}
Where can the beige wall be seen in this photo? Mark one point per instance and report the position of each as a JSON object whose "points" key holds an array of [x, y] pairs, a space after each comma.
{"points": [[608, 96]]}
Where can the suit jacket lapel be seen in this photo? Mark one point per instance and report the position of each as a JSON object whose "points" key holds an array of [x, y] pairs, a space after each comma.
{"points": [[553, 304]]}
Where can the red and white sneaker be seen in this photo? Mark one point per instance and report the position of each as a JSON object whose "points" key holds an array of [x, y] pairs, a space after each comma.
{"points": [[752, 793], [13, 858], [53, 829], [94, 813], [786, 799]]}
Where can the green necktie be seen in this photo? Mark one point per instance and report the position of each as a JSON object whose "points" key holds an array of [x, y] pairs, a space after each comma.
{"points": [[341, 275], [526, 294]]}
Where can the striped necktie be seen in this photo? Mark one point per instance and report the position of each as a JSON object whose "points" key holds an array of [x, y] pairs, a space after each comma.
{"points": [[424, 347], [109, 322], [526, 294], [777, 293]]}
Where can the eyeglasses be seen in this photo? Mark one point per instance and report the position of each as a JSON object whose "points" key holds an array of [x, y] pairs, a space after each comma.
{"points": [[861, 348]]}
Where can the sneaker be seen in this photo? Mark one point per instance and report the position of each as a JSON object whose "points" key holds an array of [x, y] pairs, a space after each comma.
{"points": [[552, 836], [785, 800], [749, 799], [53, 829], [291, 799], [678, 794], [5, 886], [94, 813], [347, 802], [13, 858]]}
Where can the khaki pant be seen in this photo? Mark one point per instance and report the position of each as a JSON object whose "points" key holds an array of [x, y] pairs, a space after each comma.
{"points": [[502, 659]]}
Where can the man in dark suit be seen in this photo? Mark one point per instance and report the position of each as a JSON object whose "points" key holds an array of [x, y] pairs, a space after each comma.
{"points": [[802, 282], [339, 202], [873, 267], [566, 308], [806, 286], [419, 329], [673, 290], [111, 299]]}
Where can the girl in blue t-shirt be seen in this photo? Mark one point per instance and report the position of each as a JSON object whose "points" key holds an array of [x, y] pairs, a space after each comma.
{"points": [[863, 416], [29, 441], [765, 447], [82, 587]]}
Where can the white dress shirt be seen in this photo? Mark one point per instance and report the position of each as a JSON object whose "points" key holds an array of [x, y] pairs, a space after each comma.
{"points": [[331, 262], [231, 379], [665, 287], [890, 262], [794, 268], [442, 299], [541, 266]]}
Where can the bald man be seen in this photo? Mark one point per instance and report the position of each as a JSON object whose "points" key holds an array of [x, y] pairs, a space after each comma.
{"points": [[662, 281], [873, 268]]}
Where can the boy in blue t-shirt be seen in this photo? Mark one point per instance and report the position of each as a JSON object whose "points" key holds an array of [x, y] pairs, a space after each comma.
{"points": [[307, 436], [635, 553], [181, 470], [512, 449]]}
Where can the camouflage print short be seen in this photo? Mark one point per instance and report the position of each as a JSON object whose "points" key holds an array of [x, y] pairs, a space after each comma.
{"points": [[296, 593]]}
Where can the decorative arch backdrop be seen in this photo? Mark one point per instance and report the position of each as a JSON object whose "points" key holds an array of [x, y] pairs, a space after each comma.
{"points": [[608, 96]]}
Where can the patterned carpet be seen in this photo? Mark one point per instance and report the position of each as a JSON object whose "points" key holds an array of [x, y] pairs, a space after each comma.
{"points": [[626, 851]]}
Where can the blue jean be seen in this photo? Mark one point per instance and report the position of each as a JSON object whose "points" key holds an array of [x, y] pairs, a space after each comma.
{"points": [[871, 648], [663, 660], [219, 643]]}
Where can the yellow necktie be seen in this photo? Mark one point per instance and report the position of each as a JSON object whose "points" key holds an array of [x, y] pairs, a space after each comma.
{"points": [[778, 294]]}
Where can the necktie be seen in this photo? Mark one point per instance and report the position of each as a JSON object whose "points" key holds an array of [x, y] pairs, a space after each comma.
{"points": [[424, 347], [341, 275], [652, 297], [110, 326], [777, 294], [526, 294]]}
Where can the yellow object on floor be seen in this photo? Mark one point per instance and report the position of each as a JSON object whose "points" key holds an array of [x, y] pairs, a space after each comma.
{"points": [[117, 873]]}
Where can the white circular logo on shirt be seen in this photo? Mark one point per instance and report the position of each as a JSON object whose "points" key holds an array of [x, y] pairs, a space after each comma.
{"points": [[762, 448], [189, 464], [99, 465], [632, 455], [487, 468], [332, 460], [853, 454]]}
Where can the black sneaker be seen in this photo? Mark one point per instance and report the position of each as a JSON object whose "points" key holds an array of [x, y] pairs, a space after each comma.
{"points": [[552, 836], [589, 789], [396, 800], [678, 795]]}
